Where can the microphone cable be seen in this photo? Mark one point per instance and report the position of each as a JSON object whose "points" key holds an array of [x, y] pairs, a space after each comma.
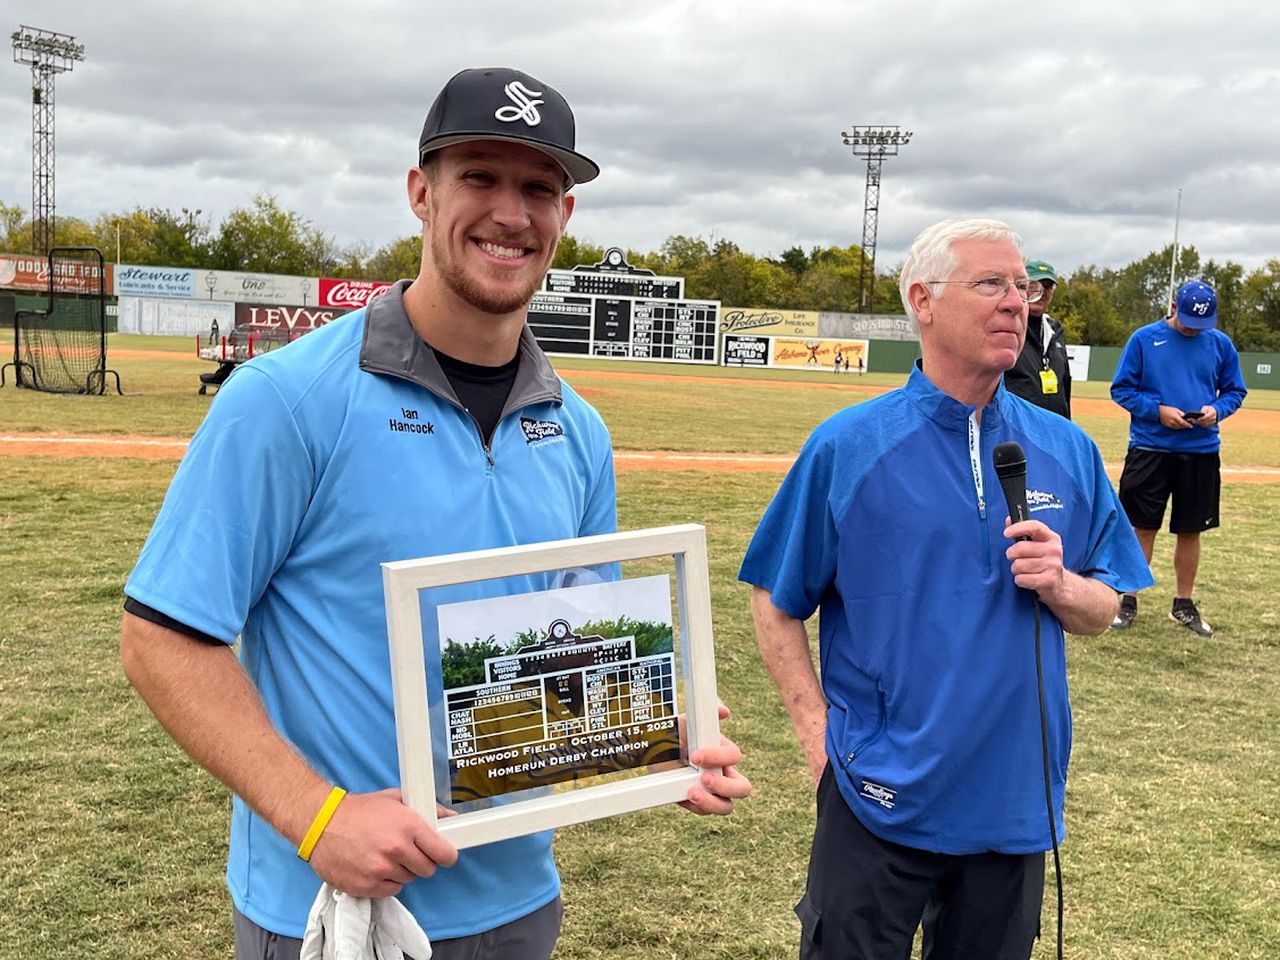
{"points": [[1048, 783]]}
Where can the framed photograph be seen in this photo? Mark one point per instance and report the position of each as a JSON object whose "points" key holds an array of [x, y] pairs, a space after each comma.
{"points": [[552, 683]]}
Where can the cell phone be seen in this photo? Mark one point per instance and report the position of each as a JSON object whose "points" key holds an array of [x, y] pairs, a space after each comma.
{"points": [[1192, 415]]}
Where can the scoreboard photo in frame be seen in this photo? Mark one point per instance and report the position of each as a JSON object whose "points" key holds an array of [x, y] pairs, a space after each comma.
{"points": [[543, 685], [612, 309]]}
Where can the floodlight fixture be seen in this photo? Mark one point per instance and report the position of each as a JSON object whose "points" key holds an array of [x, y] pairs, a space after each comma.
{"points": [[48, 54], [872, 143]]}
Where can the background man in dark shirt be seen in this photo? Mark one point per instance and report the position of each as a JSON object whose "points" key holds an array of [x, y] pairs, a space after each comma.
{"points": [[1042, 374]]}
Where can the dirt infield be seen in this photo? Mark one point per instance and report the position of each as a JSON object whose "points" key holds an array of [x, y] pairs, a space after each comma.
{"points": [[61, 446], [1266, 422]]}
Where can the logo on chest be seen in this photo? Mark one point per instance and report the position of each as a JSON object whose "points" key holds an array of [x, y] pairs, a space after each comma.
{"points": [[1039, 500], [539, 431]]}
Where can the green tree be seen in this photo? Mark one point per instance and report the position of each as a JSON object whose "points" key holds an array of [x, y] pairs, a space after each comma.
{"points": [[1257, 321], [573, 251], [1087, 314], [266, 238], [651, 637], [462, 664], [15, 228], [398, 260]]}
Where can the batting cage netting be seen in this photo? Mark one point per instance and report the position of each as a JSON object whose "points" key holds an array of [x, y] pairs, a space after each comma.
{"points": [[62, 348]]}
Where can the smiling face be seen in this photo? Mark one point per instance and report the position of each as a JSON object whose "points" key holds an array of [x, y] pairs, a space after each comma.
{"points": [[493, 212], [967, 339]]}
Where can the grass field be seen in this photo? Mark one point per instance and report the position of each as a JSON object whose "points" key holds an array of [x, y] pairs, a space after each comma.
{"points": [[112, 841]]}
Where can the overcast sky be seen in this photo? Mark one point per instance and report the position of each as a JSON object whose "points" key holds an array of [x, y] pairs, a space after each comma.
{"points": [[1076, 123]]}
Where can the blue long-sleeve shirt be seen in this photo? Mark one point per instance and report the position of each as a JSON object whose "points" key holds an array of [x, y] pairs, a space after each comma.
{"points": [[1162, 366]]}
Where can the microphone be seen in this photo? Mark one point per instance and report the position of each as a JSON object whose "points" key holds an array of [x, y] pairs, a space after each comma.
{"points": [[1011, 468]]}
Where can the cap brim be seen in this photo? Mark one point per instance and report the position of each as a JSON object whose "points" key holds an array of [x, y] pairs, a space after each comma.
{"points": [[1197, 323], [579, 168]]}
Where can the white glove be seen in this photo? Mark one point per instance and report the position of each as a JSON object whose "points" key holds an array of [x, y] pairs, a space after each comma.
{"points": [[341, 927]]}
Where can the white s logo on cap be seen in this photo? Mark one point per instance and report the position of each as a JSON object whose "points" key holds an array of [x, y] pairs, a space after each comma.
{"points": [[526, 107]]}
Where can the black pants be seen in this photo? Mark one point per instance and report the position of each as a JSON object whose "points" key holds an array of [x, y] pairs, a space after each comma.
{"points": [[867, 896]]}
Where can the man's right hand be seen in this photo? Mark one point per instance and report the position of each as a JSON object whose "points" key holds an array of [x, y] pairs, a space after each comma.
{"points": [[1172, 418], [815, 752], [374, 845]]}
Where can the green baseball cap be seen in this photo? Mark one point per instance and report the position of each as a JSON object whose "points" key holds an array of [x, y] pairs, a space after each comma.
{"points": [[1041, 270]]}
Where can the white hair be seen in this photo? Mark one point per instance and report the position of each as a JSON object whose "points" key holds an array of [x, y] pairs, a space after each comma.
{"points": [[931, 256]]}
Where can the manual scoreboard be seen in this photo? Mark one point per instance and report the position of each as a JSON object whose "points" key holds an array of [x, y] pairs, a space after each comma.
{"points": [[612, 309]]}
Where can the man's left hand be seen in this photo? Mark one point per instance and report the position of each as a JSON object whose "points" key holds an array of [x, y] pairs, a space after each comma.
{"points": [[1036, 561], [720, 783], [1208, 416]]}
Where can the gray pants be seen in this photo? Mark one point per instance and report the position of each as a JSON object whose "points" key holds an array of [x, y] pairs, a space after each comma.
{"points": [[531, 937]]}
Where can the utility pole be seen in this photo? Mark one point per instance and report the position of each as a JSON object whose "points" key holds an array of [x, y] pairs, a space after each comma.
{"points": [[49, 54], [873, 144]]}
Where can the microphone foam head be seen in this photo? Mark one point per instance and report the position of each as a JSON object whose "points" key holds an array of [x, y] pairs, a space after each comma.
{"points": [[1009, 459]]}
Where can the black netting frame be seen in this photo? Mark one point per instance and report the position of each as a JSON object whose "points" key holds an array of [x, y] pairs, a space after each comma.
{"points": [[63, 348]]}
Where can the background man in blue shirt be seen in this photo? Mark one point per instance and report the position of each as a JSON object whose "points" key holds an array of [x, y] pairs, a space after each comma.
{"points": [[923, 735], [1179, 378], [424, 424]]}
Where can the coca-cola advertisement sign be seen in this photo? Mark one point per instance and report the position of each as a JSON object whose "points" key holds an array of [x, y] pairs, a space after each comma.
{"points": [[351, 294], [283, 321]]}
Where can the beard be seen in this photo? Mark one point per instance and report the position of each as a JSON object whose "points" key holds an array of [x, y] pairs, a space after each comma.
{"points": [[467, 288]]}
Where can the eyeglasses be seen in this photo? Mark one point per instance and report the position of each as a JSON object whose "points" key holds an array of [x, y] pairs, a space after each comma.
{"points": [[1028, 290]]}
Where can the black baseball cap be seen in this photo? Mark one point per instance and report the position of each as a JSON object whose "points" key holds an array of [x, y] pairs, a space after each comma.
{"points": [[499, 103]]}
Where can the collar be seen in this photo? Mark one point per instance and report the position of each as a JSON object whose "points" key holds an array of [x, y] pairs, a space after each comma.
{"points": [[392, 347], [948, 412]]}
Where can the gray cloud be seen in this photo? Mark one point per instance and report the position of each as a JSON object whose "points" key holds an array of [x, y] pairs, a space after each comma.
{"points": [[717, 120]]}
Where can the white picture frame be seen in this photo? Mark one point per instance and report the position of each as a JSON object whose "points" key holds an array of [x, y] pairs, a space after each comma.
{"points": [[404, 579]]}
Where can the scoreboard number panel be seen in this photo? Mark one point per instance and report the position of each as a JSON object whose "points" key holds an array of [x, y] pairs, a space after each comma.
{"points": [[612, 309], [557, 696]]}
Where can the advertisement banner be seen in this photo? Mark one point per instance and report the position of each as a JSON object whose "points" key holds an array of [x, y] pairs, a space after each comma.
{"points": [[740, 351], [287, 321], [1078, 361], [840, 356], [350, 294], [19, 272], [256, 287], [172, 318], [755, 320], [170, 283]]}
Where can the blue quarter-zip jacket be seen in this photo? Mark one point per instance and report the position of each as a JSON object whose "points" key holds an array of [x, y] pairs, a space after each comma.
{"points": [[891, 524], [1162, 366], [318, 462]]}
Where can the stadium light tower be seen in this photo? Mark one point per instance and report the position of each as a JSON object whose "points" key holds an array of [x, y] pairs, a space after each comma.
{"points": [[49, 54], [873, 143]]}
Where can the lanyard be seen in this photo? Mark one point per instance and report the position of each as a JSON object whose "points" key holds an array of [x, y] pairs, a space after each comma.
{"points": [[975, 462]]}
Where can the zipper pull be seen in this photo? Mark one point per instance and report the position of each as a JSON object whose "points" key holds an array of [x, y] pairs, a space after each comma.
{"points": [[488, 454], [982, 508]]}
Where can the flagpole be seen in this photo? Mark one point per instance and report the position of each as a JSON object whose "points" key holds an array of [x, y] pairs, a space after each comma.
{"points": [[1173, 261]]}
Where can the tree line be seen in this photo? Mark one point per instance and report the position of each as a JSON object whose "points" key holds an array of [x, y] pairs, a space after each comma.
{"points": [[1097, 305]]}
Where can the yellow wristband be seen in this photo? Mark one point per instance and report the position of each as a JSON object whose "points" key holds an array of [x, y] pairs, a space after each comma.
{"points": [[320, 822]]}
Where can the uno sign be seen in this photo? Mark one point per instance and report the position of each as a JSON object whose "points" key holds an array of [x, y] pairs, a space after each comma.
{"points": [[349, 294]]}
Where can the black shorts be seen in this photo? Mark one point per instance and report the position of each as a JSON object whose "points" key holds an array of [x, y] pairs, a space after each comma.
{"points": [[866, 896], [1151, 476]]}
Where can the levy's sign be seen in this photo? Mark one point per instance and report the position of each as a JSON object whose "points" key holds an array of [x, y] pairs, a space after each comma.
{"points": [[19, 272], [280, 320], [349, 294]]}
